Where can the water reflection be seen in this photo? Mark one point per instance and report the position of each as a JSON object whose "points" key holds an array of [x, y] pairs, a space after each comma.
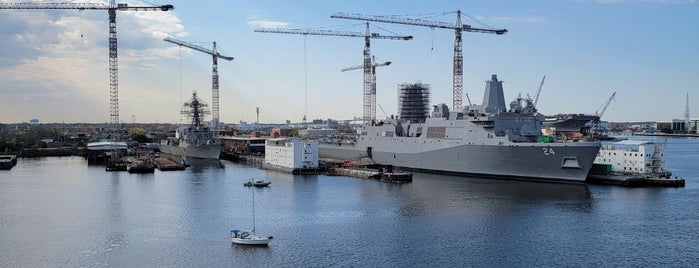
{"points": [[198, 166]]}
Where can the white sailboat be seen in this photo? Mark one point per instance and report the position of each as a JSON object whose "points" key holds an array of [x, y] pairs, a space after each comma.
{"points": [[249, 237]]}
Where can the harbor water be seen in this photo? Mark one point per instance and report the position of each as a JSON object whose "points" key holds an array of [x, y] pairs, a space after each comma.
{"points": [[61, 212]]}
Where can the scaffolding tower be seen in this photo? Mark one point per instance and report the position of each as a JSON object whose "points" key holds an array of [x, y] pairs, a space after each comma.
{"points": [[414, 101]]}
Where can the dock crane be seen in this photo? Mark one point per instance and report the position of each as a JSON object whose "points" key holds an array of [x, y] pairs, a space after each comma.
{"points": [[214, 74], [112, 8], [458, 27], [604, 106], [367, 54], [374, 64], [536, 98], [596, 124]]}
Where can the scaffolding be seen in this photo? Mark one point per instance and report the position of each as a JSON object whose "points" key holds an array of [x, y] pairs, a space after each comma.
{"points": [[414, 101]]}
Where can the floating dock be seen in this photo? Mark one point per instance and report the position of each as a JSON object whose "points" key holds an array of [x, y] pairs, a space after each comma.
{"points": [[8, 161], [167, 164], [635, 180], [374, 174]]}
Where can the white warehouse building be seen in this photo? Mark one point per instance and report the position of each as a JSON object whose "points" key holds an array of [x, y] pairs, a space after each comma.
{"points": [[291, 154]]}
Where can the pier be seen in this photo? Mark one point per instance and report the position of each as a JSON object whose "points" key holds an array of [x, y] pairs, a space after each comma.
{"points": [[370, 173], [167, 164], [635, 180], [8, 161]]}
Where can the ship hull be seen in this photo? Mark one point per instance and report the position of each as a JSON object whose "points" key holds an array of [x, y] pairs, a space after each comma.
{"points": [[208, 151], [557, 162]]}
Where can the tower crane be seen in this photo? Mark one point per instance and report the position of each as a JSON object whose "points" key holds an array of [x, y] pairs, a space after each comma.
{"points": [[458, 27], [367, 54], [604, 106], [536, 98], [374, 64], [111, 8], [214, 74]]}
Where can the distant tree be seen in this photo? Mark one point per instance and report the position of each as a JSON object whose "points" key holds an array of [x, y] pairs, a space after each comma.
{"points": [[137, 131], [293, 132]]}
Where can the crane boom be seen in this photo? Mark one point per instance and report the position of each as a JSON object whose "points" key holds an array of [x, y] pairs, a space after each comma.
{"points": [[84, 6], [415, 22], [362, 66], [329, 33], [214, 75], [197, 48], [112, 8], [369, 110], [458, 55], [605, 105], [536, 98]]}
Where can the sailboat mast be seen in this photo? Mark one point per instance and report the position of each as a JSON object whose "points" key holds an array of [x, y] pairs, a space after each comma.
{"points": [[253, 210]]}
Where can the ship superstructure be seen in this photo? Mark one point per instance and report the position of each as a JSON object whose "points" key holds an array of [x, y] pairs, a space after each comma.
{"points": [[485, 140], [195, 140]]}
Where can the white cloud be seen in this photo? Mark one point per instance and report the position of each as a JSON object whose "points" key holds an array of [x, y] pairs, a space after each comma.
{"points": [[267, 23], [498, 20]]}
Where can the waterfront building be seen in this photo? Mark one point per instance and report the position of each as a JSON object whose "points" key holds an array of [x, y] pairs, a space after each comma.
{"points": [[243, 145], [291, 154], [670, 125]]}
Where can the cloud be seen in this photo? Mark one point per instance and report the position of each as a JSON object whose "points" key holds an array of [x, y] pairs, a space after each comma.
{"points": [[262, 23], [55, 60], [504, 20]]}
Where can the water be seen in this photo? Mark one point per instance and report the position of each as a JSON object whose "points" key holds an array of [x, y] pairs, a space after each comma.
{"points": [[60, 212]]}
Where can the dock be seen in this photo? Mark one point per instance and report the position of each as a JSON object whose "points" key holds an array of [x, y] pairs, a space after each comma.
{"points": [[8, 161], [167, 164], [374, 174], [635, 180]]}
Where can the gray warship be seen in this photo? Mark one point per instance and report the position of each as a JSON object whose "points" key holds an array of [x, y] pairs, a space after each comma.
{"points": [[485, 140], [195, 140]]}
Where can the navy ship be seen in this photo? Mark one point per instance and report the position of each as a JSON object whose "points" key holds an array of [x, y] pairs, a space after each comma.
{"points": [[485, 140], [195, 140]]}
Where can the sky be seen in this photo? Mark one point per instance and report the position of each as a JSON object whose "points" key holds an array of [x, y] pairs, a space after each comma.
{"points": [[54, 63]]}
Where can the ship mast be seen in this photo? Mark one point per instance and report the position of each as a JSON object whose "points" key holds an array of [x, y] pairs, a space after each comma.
{"points": [[196, 110]]}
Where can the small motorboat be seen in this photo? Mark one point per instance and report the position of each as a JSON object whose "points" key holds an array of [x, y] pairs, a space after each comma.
{"points": [[258, 183]]}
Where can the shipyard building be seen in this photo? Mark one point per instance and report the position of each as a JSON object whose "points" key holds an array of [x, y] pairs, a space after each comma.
{"points": [[291, 154]]}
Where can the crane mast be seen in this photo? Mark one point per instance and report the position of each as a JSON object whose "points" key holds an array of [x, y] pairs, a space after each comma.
{"points": [[686, 115], [372, 67], [112, 8], [214, 75], [458, 54], [367, 100]]}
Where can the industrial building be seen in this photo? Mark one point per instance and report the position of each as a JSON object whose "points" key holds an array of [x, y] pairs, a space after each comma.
{"points": [[670, 126], [292, 155]]}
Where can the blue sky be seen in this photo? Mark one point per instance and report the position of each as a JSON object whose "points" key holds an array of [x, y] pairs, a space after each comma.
{"points": [[54, 63]]}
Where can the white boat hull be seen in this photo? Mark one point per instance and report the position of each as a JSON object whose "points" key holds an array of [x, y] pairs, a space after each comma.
{"points": [[251, 240]]}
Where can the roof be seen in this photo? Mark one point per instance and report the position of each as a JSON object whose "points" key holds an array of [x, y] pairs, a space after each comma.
{"points": [[106, 145], [633, 142]]}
